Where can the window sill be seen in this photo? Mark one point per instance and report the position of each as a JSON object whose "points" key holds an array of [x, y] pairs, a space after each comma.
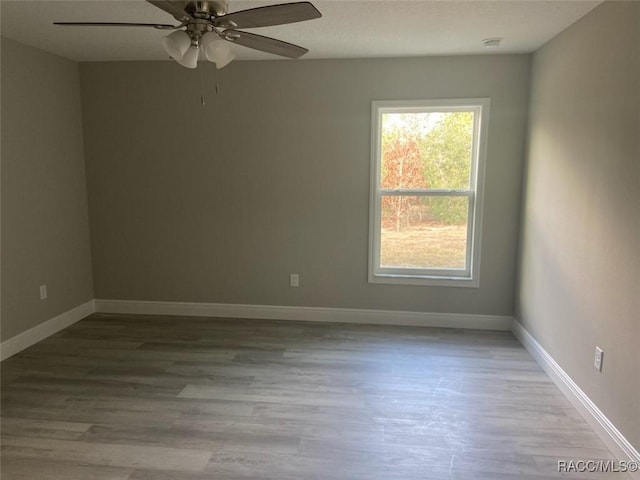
{"points": [[423, 280]]}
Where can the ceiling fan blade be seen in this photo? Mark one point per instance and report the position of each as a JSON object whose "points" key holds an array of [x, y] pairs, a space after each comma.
{"points": [[269, 15], [172, 9], [265, 44], [159, 26]]}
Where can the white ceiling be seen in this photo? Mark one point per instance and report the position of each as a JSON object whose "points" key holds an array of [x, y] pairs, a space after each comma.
{"points": [[348, 29]]}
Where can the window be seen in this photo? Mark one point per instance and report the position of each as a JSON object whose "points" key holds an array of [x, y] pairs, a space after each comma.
{"points": [[426, 191]]}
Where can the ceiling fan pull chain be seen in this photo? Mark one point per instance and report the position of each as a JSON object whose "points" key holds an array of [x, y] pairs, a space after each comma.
{"points": [[215, 81], [202, 101]]}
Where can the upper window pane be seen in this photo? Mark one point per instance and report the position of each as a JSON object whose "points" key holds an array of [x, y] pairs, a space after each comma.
{"points": [[426, 150]]}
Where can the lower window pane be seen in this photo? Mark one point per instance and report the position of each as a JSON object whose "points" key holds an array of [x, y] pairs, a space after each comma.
{"points": [[424, 232]]}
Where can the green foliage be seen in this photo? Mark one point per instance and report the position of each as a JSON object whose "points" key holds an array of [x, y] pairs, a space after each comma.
{"points": [[446, 210], [446, 152]]}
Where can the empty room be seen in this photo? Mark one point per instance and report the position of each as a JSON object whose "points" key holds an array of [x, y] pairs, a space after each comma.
{"points": [[332, 240]]}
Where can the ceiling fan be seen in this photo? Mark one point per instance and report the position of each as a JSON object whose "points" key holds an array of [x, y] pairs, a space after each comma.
{"points": [[205, 26]]}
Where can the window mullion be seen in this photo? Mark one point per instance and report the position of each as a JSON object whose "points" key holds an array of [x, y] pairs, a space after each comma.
{"points": [[431, 192]]}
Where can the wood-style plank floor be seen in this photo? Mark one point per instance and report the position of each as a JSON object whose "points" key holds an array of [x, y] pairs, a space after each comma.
{"points": [[160, 398]]}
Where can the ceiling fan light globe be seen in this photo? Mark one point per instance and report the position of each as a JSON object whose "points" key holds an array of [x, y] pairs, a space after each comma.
{"points": [[176, 44], [190, 58], [207, 39], [219, 53], [211, 49], [225, 61]]}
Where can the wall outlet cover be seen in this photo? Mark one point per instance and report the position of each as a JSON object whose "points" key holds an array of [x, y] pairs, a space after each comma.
{"points": [[597, 361]]}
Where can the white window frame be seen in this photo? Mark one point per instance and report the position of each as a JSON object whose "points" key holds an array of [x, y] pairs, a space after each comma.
{"points": [[430, 276]]}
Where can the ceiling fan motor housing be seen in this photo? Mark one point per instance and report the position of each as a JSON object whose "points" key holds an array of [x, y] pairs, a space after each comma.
{"points": [[206, 8], [202, 14]]}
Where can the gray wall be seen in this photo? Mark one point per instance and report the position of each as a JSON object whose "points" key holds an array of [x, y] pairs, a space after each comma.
{"points": [[45, 227], [580, 261], [220, 204]]}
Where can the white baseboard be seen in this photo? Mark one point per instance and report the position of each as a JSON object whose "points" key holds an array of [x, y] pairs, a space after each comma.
{"points": [[608, 433], [46, 329], [313, 314]]}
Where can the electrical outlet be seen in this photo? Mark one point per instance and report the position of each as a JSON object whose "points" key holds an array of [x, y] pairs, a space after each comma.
{"points": [[294, 280], [597, 361], [43, 292]]}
